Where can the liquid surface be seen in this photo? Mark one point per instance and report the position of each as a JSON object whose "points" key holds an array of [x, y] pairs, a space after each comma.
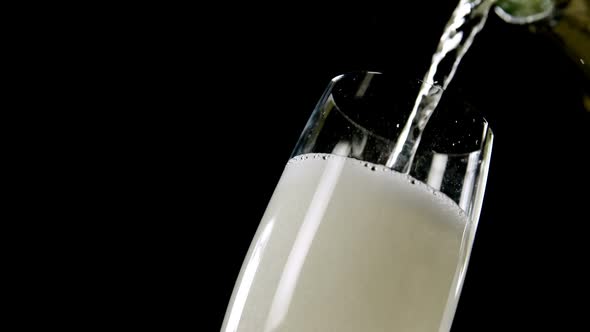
{"points": [[345, 245]]}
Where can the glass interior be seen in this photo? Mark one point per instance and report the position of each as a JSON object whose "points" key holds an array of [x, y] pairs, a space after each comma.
{"points": [[368, 110]]}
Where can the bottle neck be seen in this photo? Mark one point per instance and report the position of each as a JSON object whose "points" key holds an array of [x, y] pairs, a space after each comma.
{"points": [[566, 22], [570, 27]]}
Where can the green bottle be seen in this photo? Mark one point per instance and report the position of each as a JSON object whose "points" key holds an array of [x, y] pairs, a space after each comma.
{"points": [[566, 21]]}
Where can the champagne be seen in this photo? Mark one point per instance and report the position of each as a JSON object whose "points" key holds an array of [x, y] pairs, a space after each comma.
{"points": [[346, 245]]}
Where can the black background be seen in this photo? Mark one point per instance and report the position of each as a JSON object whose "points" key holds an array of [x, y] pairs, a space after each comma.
{"points": [[213, 102]]}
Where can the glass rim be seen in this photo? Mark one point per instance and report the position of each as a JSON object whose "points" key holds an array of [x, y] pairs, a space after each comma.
{"points": [[338, 78]]}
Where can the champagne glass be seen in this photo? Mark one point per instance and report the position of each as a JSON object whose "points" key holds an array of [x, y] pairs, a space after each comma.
{"points": [[349, 244]]}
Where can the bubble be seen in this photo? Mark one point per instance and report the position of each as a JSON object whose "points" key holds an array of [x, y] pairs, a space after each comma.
{"points": [[373, 168], [324, 157], [413, 181]]}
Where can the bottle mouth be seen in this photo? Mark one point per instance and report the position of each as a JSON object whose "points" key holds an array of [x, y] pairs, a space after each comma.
{"points": [[524, 11]]}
